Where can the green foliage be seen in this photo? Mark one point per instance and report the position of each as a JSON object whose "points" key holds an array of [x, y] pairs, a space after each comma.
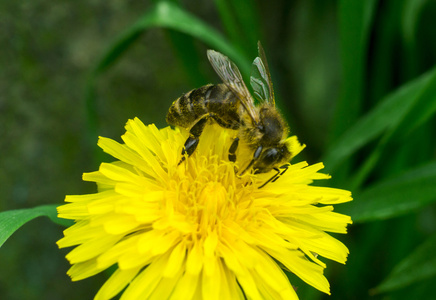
{"points": [[419, 265], [392, 112], [355, 19], [379, 129], [164, 14], [12, 220], [413, 190]]}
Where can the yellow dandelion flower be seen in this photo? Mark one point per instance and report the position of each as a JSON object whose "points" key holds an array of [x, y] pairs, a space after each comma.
{"points": [[197, 230]]}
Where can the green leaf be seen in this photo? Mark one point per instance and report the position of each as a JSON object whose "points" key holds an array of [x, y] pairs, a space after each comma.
{"points": [[163, 15], [423, 109], [241, 23], [393, 197], [355, 18], [11, 220], [419, 265], [228, 20], [168, 15], [420, 109], [383, 72], [388, 114], [411, 12], [184, 47]]}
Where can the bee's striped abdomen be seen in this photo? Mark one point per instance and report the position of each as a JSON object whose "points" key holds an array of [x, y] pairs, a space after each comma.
{"points": [[185, 110], [216, 100]]}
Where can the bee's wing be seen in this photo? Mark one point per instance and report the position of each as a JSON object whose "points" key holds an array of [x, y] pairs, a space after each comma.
{"points": [[232, 78], [260, 79]]}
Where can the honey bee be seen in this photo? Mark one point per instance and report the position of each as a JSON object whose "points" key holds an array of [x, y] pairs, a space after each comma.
{"points": [[231, 106]]}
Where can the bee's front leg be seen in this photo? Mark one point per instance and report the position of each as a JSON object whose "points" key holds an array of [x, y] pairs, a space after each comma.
{"points": [[284, 168], [277, 175]]}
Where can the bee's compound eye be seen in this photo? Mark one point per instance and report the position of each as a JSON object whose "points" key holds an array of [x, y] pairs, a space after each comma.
{"points": [[270, 156]]}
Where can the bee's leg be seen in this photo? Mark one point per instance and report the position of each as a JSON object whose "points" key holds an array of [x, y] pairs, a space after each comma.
{"points": [[273, 178], [285, 168], [194, 137], [255, 157], [277, 175], [232, 149]]}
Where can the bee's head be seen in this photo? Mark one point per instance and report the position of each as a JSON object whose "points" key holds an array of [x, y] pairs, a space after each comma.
{"points": [[272, 157]]}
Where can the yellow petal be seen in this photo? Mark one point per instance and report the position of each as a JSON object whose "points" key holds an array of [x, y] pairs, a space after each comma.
{"points": [[83, 270], [118, 280], [211, 283], [165, 287], [175, 261], [142, 286], [298, 264], [186, 287], [92, 248], [195, 260]]}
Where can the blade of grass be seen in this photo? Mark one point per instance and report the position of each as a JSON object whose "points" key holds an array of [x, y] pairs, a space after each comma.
{"points": [[382, 63], [240, 19], [418, 290], [12, 220], [411, 12], [354, 25], [388, 114], [355, 20], [228, 20], [420, 110], [185, 50], [419, 265], [168, 15], [249, 21], [163, 15], [402, 194], [356, 181]]}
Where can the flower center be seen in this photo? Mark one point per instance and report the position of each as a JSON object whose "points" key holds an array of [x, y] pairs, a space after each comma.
{"points": [[212, 202], [209, 192]]}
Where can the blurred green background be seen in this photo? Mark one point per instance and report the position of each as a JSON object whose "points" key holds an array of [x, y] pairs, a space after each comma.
{"points": [[356, 81]]}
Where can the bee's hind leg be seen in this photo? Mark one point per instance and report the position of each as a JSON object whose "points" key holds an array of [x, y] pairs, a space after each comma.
{"points": [[194, 137]]}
